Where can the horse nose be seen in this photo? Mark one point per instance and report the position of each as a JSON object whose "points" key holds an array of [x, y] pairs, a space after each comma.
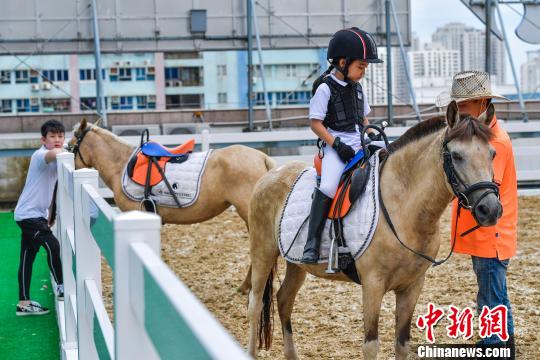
{"points": [[488, 211]]}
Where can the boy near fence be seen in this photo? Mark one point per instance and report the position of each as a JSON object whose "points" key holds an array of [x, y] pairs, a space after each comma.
{"points": [[31, 214]]}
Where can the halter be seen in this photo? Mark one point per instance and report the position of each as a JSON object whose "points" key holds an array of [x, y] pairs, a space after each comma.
{"points": [[453, 178], [76, 148]]}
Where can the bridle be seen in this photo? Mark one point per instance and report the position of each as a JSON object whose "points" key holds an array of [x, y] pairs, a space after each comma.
{"points": [[453, 178], [76, 148]]}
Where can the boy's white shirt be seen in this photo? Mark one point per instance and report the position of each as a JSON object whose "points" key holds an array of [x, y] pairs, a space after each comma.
{"points": [[37, 194]]}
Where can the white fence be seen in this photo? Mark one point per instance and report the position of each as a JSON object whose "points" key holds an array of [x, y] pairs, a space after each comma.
{"points": [[155, 314]]}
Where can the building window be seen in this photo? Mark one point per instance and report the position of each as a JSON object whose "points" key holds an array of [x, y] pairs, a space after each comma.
{"points": [[27, 105], [55, 75], [259, 98], [184, 101], [5, 77], [142, 102], [122, 102], [90, 74], [183, 76], [222, 98], [124, 74], [140, 73], [34, 76], [290, 70], [5, 106], [222, 70], [55, 105], [22, 77], [88, 103]]}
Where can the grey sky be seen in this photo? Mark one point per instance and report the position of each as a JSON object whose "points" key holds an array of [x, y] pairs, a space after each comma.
{"points": [[427, 15]]}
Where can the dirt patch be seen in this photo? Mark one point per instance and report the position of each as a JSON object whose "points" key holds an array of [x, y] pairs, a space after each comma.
{"points": [[212, 259]]}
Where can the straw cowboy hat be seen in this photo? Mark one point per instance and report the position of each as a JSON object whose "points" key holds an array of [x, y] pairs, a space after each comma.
{"points": [[468, 85]]}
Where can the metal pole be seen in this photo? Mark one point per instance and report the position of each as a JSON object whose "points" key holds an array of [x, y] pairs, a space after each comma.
{"points": [[488, 36], [389, 63], [516, 81], [250, 64], [261, 67], [405, 63], [100, 96]]}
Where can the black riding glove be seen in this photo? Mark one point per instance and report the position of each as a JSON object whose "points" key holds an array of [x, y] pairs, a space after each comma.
{"points": [[345, 152], [373, 136]]}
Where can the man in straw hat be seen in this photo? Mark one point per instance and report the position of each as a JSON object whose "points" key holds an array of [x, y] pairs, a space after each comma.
{"points": [[490, 247]]}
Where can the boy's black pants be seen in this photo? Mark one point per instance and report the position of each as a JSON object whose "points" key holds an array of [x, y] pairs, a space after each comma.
{"points": [[36, 233]]}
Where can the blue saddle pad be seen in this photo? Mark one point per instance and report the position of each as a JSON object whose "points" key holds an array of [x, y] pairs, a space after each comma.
{"points": [[155, 149], [359, 155]]}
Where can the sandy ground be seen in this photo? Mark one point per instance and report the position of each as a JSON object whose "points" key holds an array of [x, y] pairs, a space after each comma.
{"points": [[212, 259]]}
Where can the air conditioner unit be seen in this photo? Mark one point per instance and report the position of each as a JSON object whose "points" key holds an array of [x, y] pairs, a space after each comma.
{"points": [[35, 87], [178, 83], [146, 62], [168, 83], [46, 86], [118, 63], [127, 63]]}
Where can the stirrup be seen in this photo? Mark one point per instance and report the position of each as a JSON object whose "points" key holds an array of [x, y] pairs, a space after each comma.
{"points": [[333, 258], [142, 205]]}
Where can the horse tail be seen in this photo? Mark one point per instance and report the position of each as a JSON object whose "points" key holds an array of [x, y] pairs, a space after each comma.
{"points": [[266, 323], [269, 162]]}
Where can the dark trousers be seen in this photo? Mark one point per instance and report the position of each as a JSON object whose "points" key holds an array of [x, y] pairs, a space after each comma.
{"points": [[36, 233]]}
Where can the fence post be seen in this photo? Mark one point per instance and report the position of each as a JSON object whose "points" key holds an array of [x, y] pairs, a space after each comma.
{"points": [[205, 140], [131, 340], [88, 261], [64, 221]]}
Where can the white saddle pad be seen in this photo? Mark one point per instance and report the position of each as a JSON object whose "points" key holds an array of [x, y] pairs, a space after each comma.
{"points": [[185, 179], [358, 226]]}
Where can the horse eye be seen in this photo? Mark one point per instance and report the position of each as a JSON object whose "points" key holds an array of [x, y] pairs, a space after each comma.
{"points": [[493, 154], [456, 156]]}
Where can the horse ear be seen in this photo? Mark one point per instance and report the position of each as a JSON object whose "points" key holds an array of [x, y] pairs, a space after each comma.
{"points": [[98, 122], [487, 116], [83, 124], [452, 114]]}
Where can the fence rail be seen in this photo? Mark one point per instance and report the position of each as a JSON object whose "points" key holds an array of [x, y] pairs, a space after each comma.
{"points": [[155, 314]]}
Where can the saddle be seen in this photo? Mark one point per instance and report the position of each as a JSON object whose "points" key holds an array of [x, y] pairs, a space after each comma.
{"points": [[352, 184], [147, 167]]}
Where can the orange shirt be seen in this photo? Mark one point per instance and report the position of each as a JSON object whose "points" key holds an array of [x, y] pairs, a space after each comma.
{"points": [[499, 240]]}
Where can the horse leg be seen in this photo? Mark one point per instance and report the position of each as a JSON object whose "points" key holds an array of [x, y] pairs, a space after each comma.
{"points": [[405, 303], [246, 284], [372, 295], [294, 278], [260, 297]]}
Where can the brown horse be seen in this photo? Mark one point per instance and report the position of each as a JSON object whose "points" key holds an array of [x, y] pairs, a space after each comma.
{"points": [[413, 167], [229, 177]]}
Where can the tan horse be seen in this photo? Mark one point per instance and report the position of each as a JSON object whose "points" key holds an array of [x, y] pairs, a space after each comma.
{"points": [[415, 168], [229, 177]]}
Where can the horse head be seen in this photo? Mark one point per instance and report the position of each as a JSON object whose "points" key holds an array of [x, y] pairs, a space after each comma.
{"points": [[468, 158], [74, 145]]}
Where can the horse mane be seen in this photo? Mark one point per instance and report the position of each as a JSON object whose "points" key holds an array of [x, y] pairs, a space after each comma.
{"points": [[465, 129], [108, 134]]}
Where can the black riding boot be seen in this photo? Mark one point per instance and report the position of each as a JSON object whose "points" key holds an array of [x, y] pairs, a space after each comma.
{"points": [[317, 219]]}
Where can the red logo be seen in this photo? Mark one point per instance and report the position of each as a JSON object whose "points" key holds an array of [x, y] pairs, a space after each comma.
{"points": [[494, 322], [461, 323], [429, 321]]}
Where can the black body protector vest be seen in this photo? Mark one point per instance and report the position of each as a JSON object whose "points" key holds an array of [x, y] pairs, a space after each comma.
{"points": [[345, 106]]}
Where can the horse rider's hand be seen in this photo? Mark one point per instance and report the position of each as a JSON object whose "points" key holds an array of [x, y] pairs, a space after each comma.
{"points": [[373, 136], [345, 152]]}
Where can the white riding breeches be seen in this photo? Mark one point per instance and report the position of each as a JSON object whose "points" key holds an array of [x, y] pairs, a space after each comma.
{"points": [[332, 166]]}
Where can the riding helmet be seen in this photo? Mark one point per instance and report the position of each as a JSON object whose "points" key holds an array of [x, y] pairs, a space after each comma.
{"points": [[353, 43]]}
